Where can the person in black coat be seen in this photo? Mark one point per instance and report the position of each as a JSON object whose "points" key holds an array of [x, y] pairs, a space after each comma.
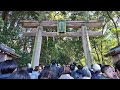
{"points": [[7, 67]]}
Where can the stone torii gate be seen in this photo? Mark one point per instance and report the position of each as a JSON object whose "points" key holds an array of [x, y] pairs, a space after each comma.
{"points": [[83, 32]]}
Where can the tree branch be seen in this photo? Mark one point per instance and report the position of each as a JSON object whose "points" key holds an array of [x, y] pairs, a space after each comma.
{"points": [[5, 15], [117, 36]]}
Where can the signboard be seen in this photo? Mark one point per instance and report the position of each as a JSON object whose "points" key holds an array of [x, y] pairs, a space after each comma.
{"points": [[61, 26]]}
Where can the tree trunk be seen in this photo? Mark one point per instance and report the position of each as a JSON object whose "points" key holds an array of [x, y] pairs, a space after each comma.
{"points": [[12, 24], [96, 51], [5, 15], [24, 45], [32, 44], [102, 51]]}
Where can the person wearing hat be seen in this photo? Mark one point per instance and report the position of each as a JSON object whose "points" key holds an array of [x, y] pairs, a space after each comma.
{"points": [[96, 71]]}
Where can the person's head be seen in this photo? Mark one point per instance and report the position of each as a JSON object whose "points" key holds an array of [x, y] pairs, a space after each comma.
{"points": [[46, 75], [53, 62], [47, 67], [65, 69], [72, 67], [79, 67], [29, 70], [100, 65], [108, 71], [41, 66], [96, 67], [74, 63], [117, 67], [8, 66], [20, 74], [38, 69], [91, 65]]}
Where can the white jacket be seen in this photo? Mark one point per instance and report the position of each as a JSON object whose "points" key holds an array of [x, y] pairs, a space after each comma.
{"points": [[66, 76]]}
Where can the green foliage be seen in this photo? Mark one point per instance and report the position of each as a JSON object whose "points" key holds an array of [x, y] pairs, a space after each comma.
{"points": [[25, 59], [63, 49]]}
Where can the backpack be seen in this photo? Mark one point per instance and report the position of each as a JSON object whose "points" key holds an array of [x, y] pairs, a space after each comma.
{"points": [[96, 76], [54, 72]]}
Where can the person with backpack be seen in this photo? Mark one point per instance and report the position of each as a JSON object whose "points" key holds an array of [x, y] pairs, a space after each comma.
{"points": [[54, 70], [65, 72], [96, 71], [74, 74]]}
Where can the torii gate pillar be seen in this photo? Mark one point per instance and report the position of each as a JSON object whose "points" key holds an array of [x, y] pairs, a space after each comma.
{"points": [[86, 46], [37, 48]]}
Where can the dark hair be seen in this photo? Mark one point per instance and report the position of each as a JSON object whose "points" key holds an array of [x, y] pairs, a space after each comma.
{"points": [[72, 66], [79, 67], [53, 61], [65, 69], [46, 74], [74, 63], [47, 67], [8, 66], [41, 66], [117, 65], [100, 65], [36, 68], [20, 74], [91, 66], [29, 70], [104, 68]]}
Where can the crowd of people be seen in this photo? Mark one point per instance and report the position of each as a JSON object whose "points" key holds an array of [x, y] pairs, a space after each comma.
{"points": [[10, 70]]}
